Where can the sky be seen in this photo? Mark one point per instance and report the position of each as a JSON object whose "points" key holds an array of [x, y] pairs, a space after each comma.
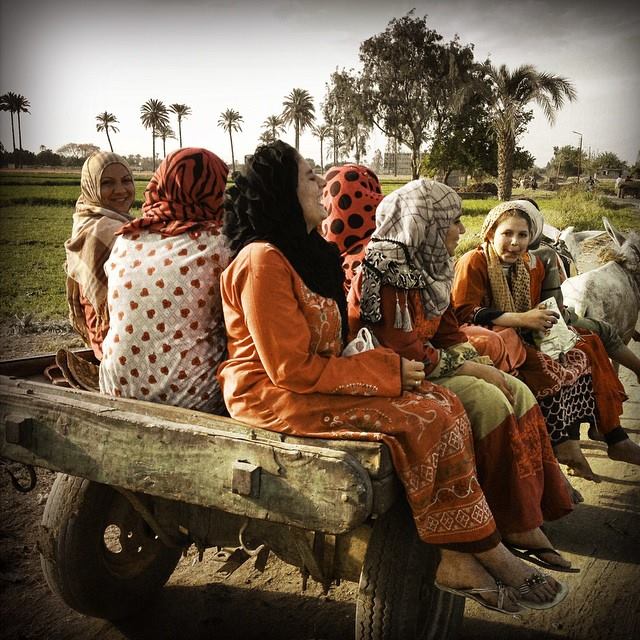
{"points": [[73, 59]]}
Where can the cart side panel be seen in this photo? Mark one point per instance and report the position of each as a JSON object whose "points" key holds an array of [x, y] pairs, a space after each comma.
{"points": [[236, 470]]}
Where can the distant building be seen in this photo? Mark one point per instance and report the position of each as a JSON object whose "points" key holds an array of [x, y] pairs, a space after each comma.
{"points": [[403, 167], [610, 172]]}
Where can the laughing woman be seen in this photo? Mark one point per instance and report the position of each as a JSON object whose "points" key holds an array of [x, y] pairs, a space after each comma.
{"points": [[286, 317], [107, 193]]}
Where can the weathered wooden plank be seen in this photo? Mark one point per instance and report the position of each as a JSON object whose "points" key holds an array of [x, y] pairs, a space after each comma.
{"points": [[129, 444], [373, 456]]}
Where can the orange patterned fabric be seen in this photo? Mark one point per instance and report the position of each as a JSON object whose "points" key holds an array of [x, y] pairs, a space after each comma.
{"points": [[516, 466], [350, 197], [547, 378], [284, 372], [185, 193]]}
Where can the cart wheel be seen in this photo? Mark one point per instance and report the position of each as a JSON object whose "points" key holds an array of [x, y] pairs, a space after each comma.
{"points": [[396, 596], [97, 552]]}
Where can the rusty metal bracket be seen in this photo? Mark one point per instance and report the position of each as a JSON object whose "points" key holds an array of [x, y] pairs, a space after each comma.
{"points": [[19, 431], [246, 479]]}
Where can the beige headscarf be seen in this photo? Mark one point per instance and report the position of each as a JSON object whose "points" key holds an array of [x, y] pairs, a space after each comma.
{"points": [[516, 298], [92, 237], [407, 249]]}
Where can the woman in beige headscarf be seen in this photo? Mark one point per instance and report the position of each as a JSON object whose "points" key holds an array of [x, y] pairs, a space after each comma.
{"points": [[107, 194], [499, 284]]}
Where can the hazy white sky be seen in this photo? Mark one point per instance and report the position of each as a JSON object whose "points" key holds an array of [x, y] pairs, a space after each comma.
{"points": [[73, 59]]}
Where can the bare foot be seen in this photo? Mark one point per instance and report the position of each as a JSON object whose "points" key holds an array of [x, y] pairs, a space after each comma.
{"points": [[569, 453], [502, 564], [463, 571], [625, 451], [536, 539]]}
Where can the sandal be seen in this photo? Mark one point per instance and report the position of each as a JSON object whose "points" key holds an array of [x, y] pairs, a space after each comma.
{"points": [[474, 594], [534, 555], [534, 581]]}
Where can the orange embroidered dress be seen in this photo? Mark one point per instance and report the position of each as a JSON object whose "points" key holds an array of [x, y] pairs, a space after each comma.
{"points": [[516, 466], [560, 388], [284, 372]]}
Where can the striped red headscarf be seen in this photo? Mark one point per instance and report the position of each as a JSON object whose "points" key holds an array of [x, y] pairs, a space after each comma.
{"points": [[350, 197], [185, 194]]}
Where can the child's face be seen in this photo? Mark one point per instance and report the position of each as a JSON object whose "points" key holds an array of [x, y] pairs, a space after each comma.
{"points": [[511, 239]]}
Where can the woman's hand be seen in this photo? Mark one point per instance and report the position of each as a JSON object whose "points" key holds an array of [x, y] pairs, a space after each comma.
{"points": [[412, 374], [539, 319], [488, 374]]}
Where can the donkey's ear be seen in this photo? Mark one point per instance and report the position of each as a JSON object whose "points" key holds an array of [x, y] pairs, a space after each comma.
{"points": [[617, 236]]}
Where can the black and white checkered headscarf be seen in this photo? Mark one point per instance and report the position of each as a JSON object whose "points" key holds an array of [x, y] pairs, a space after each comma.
{"points": [[407, 249]]}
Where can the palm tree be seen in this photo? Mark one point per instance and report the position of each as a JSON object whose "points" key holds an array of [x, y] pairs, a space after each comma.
{"points": [[321, 132], [21, 105], [508, 94], [182, 111], [6, 105], [273, 126], [105, 122], [154, 114], [230, 121], [164, 131], [299, 111]]}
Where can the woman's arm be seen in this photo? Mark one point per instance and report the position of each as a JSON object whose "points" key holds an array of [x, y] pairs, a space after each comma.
{"points": [[534, 319]]}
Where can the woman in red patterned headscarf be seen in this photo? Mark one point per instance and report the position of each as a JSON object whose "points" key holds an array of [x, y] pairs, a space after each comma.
{"points": [[351, 196], [167, 334]]}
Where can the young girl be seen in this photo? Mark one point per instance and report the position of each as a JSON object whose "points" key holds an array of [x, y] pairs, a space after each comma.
{"points": [[499, 285]]}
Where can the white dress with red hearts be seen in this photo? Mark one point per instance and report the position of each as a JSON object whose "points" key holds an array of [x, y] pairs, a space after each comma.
{"points": [[166, 333]]}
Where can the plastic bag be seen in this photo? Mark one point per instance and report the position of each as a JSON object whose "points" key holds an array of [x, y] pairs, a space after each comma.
{"points": [[364, 341], [556, 341]]}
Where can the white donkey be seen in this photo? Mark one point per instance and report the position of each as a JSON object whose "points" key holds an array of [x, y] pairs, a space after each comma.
{"points": [[610, 292]]}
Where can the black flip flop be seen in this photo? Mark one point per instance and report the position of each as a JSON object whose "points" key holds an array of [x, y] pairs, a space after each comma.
{"points": [[534, 556]]}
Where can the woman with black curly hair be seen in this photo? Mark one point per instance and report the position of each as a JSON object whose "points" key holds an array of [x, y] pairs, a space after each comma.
{"points": [[285, 314]]}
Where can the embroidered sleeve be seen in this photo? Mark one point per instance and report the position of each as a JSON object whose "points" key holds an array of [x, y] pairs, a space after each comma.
{"points": [[454, 357]]}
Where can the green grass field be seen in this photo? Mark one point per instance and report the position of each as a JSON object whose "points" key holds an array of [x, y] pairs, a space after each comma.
{"points": [[35, 220]]}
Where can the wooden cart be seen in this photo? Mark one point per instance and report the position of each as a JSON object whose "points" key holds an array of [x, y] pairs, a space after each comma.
{"points": [[139, 482]]}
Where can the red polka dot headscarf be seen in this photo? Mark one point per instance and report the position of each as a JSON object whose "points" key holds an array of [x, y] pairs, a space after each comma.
{"points": [[185, 193], [350, 197]]}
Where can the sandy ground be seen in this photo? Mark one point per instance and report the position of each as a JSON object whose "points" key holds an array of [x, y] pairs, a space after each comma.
{"points": [[602, 537]]}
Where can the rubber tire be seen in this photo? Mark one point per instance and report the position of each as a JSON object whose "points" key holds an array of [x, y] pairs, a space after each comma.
{"points": [[397, 599], [78, 565]]}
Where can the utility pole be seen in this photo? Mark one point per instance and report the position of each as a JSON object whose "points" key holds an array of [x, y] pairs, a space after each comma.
{"points": [[579, 154]]}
